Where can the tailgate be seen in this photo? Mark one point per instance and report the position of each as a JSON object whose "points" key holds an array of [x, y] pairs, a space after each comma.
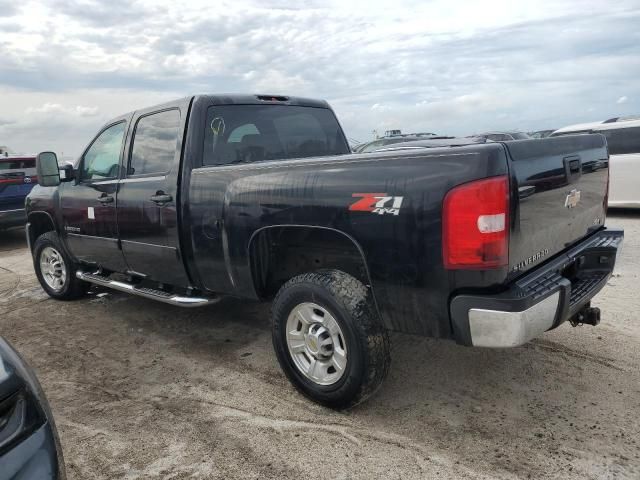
{"points": [[561, 185]]}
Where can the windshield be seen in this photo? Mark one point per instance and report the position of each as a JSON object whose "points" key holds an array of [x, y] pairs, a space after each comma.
{"points": [[252, 133]]}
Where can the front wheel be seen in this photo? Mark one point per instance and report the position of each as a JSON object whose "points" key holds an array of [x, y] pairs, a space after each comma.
{"points": [[329, 339], [55, 270]]}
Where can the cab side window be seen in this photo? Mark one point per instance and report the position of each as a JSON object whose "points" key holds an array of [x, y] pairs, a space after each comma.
{"points": [[102, 160], [154, 144]]}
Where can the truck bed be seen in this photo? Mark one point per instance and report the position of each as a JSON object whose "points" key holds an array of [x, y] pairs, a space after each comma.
{"points": [[403, 252]]}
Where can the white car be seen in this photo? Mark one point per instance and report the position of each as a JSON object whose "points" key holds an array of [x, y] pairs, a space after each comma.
{"points": [[623, 139]]}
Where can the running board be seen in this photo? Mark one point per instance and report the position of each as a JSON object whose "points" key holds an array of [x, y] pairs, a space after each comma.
{"points": [[150, 293]]}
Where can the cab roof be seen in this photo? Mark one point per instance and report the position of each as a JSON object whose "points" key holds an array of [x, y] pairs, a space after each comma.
{"points": [[261, 99], [229, 99]]}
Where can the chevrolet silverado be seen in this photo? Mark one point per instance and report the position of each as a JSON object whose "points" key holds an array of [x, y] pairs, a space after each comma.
{"points": [[259, 197]]}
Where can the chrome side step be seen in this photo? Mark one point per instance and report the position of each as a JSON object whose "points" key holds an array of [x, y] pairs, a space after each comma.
{"points": [[150, 293]]}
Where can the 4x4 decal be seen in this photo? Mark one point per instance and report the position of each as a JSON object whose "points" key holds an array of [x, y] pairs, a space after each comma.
{"points": [[379, 203]]}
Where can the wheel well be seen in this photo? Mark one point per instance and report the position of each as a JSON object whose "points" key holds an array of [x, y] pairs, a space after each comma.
{"points": [[278, 254], [39, 223]]}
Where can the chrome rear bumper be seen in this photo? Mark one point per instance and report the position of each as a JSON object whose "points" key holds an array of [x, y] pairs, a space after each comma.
{"points": [[541, 300], [494, 328]]}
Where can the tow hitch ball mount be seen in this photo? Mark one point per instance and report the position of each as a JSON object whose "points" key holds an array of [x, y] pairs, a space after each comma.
{"points": [[587, 315]]}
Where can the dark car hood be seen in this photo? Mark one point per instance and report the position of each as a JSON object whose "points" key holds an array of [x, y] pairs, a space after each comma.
{"points": [[29, 443]]}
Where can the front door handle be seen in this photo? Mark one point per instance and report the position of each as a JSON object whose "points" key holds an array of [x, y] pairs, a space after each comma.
{"points": [[161, 198], [105, 199]]}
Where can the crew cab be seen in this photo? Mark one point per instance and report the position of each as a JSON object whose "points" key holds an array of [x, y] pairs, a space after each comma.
{"points": [[17, 178], [259, 198]]}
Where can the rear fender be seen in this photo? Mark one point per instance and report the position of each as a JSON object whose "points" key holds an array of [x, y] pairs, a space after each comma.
{"points": [[324, 248]]}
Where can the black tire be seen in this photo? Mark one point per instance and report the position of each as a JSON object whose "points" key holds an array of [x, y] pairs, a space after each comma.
{"points": [[73, 288], [367, 341]]}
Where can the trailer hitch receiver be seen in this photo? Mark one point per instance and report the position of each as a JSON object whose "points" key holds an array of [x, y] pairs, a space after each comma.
{"points": [[587, 315]]}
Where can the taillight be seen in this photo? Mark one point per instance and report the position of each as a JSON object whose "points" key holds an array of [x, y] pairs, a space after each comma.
{"points": [[475, 225]]}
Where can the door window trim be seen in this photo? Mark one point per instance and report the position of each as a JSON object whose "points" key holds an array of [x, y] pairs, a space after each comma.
{"points": [[89, 181], [132, 142]]}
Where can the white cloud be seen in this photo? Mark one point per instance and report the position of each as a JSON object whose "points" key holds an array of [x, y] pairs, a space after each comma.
{"points": [[623, 99], [56, 108], [63, 121], [275, 81], [448, 66]]}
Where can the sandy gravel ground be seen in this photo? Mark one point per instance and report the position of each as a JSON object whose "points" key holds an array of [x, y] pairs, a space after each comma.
{"points": [[144, 390]]}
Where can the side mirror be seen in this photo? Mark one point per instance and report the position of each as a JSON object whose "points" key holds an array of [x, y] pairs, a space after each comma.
{"points": [[48, 170]]}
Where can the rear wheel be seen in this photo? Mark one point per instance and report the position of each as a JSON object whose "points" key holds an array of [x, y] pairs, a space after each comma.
{"points": [[328, 338], [55, 270]]}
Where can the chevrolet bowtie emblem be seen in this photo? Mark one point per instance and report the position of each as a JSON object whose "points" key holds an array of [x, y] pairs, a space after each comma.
{"points": [[572, 199]]}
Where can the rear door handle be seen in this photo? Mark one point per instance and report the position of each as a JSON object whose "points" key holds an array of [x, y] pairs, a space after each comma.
{"points": [[161, 198], [105, 199]]}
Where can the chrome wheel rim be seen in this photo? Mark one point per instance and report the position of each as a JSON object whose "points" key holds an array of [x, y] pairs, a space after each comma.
{"points": [[52, 268], [316, 344]]}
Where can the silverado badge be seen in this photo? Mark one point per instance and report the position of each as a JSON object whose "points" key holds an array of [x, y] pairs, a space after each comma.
{"points": [[529, 261], [572, 199]]}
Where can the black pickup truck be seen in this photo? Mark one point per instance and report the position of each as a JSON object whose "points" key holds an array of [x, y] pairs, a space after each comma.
{"points": [[259, 197]]}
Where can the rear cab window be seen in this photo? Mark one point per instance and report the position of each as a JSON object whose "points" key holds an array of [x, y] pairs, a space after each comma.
{"points": [[253, 133]]}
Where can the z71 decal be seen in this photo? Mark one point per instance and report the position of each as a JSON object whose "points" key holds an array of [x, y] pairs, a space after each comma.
{"points": [[379, 203]]}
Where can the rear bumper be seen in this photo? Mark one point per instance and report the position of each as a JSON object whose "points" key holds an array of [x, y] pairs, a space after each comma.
{"points": [[12, 218], [541, 300]]}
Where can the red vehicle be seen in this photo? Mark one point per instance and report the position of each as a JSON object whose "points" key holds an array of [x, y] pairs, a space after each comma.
{"points": [[17, 178]]}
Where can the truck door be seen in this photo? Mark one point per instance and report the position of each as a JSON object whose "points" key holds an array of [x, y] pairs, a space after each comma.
{"points": [[88, 205], [148, 197]]}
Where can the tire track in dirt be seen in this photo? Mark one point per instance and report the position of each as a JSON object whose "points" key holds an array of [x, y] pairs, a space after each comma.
{"points": [[548, 345]]}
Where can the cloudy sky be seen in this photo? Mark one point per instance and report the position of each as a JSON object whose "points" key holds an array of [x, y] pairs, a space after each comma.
{"points": [[451, 67]]}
